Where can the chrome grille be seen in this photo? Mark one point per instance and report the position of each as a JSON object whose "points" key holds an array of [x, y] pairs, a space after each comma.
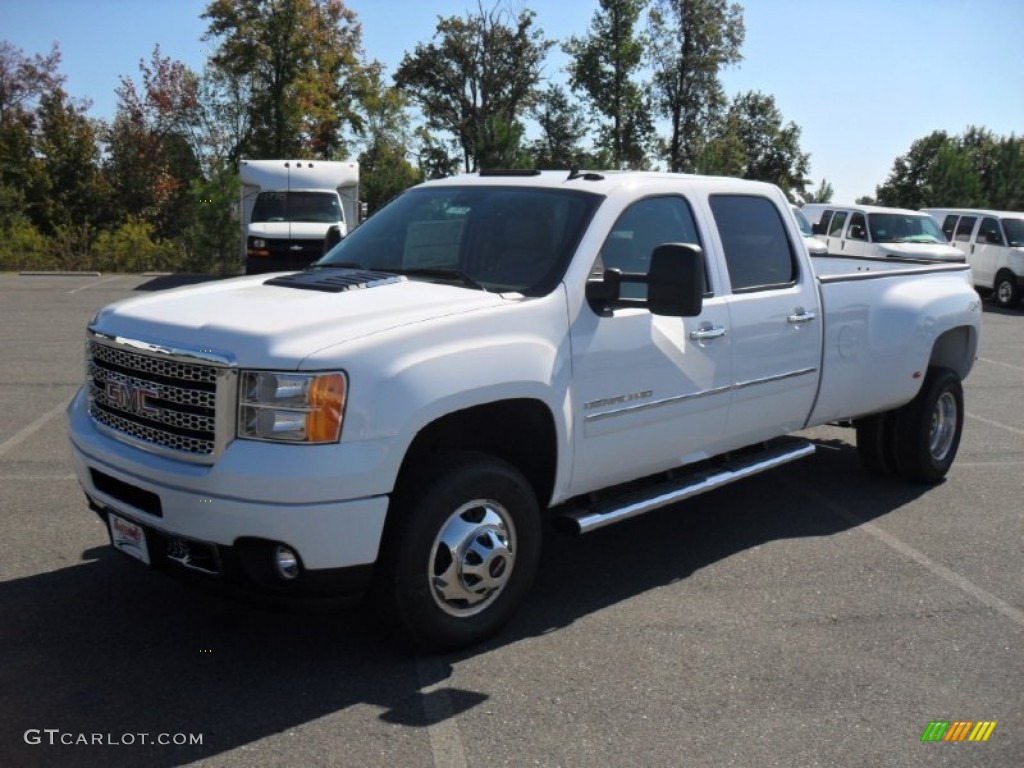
{"points": [[165, 403]]}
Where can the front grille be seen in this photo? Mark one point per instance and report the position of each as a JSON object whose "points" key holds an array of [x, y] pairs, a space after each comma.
{"points": [[160, 401]]}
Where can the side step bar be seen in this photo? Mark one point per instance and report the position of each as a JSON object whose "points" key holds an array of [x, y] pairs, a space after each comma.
{"points": [[706, 479]]}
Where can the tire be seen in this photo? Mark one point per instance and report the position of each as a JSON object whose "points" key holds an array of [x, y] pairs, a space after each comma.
{"points": [[1005, 291], [876, 443], [462, 551], [928, 428]]}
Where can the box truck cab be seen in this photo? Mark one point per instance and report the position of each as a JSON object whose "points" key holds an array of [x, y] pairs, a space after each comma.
{"points": [[289, 205], [993, 242], [871, 231]]}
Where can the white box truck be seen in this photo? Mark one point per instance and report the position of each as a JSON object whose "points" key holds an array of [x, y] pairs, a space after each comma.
{"points": [[287, 207]]}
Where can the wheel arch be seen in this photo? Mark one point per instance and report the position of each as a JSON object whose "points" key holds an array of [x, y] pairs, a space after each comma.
{"points": [[955, 349], [519, 431]]}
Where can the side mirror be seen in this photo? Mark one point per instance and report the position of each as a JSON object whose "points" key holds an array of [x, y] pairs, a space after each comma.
{"points": [[856, 232], [675, 281], [364, 211], [817, 229], [993, 238], [332, 238], [675, 284]]}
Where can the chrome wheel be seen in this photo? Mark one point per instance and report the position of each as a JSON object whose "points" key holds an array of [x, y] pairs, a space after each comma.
{"points": [[944, 424], [1004, 292], [472, 558]]}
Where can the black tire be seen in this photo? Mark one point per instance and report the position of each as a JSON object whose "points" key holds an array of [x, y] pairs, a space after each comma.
{"points": [[488, 509], [876, 443], [928, 428], [1005, 291]]}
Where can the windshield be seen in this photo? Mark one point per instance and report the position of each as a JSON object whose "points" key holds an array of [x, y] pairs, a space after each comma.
{"points": [[494, 238], [1014, 229], [904, 228], [319, 207], [804, 224]]}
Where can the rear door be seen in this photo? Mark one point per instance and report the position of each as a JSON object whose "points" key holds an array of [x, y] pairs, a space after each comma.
{"points": [[775, 324], [855, 241], [834, 239], [986, 247]]}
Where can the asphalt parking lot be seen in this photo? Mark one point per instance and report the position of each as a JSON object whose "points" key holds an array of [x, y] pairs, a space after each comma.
{"points": [[813, 616]]}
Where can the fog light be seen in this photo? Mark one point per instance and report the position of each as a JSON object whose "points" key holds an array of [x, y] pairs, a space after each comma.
{"points": [[286, 562]]}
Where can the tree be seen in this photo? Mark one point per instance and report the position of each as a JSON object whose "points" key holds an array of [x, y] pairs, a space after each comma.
{"points": [[753, 143], [823, 194], [23, 80], [690, 41], [603, 65], [906, 184], [153, 145], [562, 129], [296, 61], [476, 78]]}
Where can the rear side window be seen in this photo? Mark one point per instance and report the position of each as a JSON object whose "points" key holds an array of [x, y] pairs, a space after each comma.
{"points": [[758, 253], [949, 227], [989, 232], [963, 229], [821, 228]]}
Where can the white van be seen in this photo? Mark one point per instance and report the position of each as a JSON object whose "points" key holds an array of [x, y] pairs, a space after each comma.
{"points": [[993, 242], [874, 232], [815, 246]]}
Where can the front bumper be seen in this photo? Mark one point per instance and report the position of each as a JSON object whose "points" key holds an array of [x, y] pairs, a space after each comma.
{"points": [[236, 511]]}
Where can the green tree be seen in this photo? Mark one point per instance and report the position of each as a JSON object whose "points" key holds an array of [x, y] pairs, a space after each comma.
{"points": [[823, 194], [690, 42], [562, 130], [906, 185], [475, 79], [297, 62], [952, 180], [213, 234], [603, 66], [384, 165], [752, 142]]}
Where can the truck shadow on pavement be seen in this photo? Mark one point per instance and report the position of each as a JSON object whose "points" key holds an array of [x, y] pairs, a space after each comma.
{"points": [[105, 647]]}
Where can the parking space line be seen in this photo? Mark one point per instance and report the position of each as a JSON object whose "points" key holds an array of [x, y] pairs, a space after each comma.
{"points": [[976, 464], [937, 569], [442, 728], [999, 424], [96, 282], [998, 362], [22, 435]]}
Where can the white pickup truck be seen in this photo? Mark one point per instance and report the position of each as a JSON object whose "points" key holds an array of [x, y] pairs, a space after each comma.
{"points": [[491, 350]]}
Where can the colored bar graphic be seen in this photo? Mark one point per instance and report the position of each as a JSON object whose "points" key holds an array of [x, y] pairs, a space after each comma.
{"points": [[958, 730], [982, 730]]}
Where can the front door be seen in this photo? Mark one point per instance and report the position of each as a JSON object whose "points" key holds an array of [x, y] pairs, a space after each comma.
{"points": [[649, 392]]}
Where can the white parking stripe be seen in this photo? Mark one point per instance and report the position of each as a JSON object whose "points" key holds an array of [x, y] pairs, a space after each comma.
{"points": [[999, 424], [443, 730], [1004, 365], [946, 574], [22, 435], [97, 282]]}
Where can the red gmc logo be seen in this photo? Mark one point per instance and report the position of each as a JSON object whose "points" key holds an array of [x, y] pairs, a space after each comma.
{"points": [[129, 398]]}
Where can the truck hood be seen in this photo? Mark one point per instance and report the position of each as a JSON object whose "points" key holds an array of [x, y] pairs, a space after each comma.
{"points": [[298, 230], [259, 325], [932, 251]]}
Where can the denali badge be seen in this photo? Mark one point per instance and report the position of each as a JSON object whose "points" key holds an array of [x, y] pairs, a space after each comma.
{"points": [[132, 399]]}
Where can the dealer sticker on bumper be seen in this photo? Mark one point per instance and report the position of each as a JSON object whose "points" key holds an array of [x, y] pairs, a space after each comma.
{"points": [[128, 537]]}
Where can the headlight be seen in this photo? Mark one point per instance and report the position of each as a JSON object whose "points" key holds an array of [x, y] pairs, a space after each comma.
{"points": [[291, 407], [258, 242]]}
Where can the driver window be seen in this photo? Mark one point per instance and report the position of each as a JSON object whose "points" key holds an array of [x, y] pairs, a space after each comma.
{"points": [[858, 227], [644, 225]]}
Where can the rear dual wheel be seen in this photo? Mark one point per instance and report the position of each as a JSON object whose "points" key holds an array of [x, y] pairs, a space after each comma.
{"points": [[919, 441]]}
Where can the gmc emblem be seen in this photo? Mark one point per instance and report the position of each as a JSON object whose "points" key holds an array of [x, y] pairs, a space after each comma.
{"points": [[132, 399]]}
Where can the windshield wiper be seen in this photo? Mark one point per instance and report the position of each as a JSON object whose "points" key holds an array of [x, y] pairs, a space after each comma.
{"points": [[450, 274]]}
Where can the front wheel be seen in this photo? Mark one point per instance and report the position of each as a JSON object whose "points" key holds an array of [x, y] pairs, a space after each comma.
{"points": [[928, 428], [466, 541]]}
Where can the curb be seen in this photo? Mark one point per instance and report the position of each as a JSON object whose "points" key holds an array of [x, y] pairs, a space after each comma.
{"points": [[37, 273]]}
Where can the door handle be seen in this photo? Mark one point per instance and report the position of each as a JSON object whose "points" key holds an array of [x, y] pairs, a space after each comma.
{"points": [[800, 316], [707, 332]]}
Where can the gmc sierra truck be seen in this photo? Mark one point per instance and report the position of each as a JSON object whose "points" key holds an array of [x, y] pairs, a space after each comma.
{"points": [[490, 351]]}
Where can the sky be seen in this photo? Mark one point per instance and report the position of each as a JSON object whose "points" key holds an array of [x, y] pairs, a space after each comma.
{"points": [[862, 81]]}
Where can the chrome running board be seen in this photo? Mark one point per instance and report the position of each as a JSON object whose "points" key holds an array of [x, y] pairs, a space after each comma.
{"points": [[694, 483]]}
